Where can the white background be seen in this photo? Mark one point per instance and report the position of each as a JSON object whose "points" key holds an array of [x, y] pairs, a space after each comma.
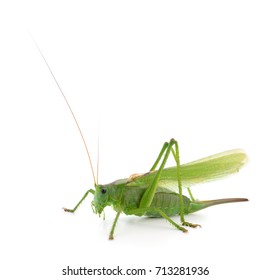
{"points": [[140, 73]]}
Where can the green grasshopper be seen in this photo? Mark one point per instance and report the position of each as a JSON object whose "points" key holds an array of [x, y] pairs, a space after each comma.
{"points": [[159, 192]]}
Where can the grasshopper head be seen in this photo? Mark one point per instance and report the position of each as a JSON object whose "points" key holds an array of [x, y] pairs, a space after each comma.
{"points": [[101, 199]]}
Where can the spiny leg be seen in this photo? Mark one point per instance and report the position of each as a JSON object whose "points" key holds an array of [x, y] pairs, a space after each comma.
{"points": [[188, 189], [77, 205], [141, 211], [111, 235], [148, 195], [177, 159], [191, 195], [159, 156]]}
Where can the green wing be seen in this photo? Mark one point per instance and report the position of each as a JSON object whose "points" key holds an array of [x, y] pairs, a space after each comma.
{"points": [[200, 171]]}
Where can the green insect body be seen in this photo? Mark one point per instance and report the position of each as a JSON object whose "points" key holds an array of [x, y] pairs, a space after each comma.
{"points": [[159, 192], [126, 195], [164, 199]]}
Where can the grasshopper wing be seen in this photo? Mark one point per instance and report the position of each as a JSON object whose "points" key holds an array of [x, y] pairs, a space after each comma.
{"points": [[200, 171]]}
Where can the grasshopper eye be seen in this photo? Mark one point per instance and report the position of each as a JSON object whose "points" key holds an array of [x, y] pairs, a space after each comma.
{"points": [[103, 191]]}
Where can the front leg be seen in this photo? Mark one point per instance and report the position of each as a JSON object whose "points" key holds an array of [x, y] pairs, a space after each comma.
{"points": [[78, 204], [111, 235]]}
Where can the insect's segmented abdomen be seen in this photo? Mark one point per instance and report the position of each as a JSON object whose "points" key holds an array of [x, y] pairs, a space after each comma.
{"points": [[169, 203]]}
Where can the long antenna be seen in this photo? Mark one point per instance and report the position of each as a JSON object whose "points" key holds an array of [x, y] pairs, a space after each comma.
{"points": [[76, 122], [98, 158]]}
